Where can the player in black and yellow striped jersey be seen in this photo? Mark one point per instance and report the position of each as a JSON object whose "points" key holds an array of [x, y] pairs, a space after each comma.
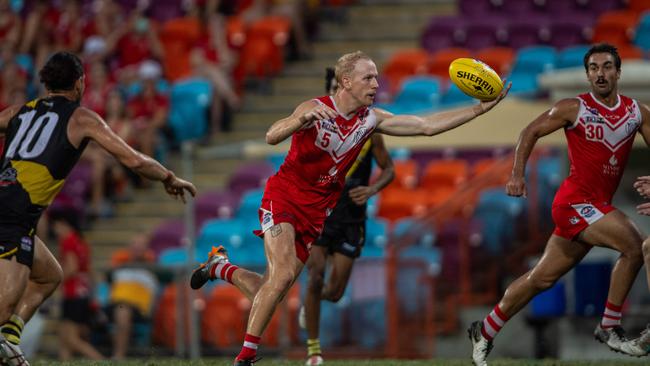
{"points": [[44, 140]]}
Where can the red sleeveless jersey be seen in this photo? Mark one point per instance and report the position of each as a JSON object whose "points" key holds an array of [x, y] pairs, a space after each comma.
{"points": [[599, 143], [313, 173]]}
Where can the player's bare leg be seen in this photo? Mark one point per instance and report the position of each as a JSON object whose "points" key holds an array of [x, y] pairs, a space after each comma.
{"points": [[311, 309], [560, 255], [338, 279], [45, 277], [616, 231], [283, 268]]}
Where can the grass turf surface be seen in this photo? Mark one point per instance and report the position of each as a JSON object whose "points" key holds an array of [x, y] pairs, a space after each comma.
{"points": [[269, 361]]}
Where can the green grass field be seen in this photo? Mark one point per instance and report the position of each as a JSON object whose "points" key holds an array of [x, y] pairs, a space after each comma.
{"points": [[436, 362]]}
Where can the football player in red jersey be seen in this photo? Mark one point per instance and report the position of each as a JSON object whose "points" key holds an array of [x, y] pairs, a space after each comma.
{"points": [[600, 127], [327, 135]]}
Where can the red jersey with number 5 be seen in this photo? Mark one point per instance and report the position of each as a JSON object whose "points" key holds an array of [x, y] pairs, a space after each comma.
{"points": [[599, 143], [321, 153]]}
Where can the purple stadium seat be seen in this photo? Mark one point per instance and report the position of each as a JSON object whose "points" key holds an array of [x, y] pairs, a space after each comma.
{"points": [[165, 10], [214, 204], [557, 7], [169, 234], [520, 7], [529, 31], [600, 6], [79, 180], [565, 33], [443, 32], [477, 7], [484, 31], [250, 176]]}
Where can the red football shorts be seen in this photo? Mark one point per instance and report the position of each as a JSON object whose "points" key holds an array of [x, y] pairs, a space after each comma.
{"points": [[307, 226], [571, 219]]}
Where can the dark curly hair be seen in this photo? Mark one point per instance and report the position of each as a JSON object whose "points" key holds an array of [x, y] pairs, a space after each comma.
{"points": [[603, 48], [61, 71]]}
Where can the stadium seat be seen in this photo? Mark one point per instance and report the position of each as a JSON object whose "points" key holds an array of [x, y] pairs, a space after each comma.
{"points": [[249, 176], [262, 54], [214, 204], [168, 234], [615, 27], [497, 212], [572, 56], [498, 58], [173, 257], [367, 322], [569, 31], [483, 31], [454, 97], [642, 33], [601, 6], [417, 95], [529, 31], [529, 63], [178, 37], [478, 7], [276, 160], [232, 315], [443, 32], [638, 6], [376, 238], [447, 173], [403, 64], [219, 232], [630, 52], [422, 233], [520, 8], [188, 113], [249, 206], [481, 166], [439, 62]]}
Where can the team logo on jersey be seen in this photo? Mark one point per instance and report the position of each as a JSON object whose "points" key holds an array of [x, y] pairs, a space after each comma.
{"points": [[587, 211], [632, 125], [574, 220], [591, 119], [328, 125], [26, 243], [8, 177], [613, 160]]}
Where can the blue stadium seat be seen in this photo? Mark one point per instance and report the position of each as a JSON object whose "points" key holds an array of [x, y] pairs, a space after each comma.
{"points": [[642, 32], [188, 112], [400, 153], [454, 97], [276, 160], [498, 212], [572, 56], [550, 172], [219, 232], [173, 257], [376, 238], [529, 63], [426, 234], [417, 95], [249, 207], [550, 303]]}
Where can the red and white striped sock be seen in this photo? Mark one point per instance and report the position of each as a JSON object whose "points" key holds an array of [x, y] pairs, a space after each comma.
{"points": [[611, 316], [493, 323], [223, 271], [249, 349]]}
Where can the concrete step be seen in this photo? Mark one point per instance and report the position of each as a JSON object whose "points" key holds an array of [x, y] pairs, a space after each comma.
{"points": [[127, 223], [315, 67], [249, 121], [377, 50], [303, 85], [273, 103], [385, 31], [162, 208], [387, 14]]}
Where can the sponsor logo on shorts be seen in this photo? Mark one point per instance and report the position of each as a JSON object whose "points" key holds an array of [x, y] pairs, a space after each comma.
{"points": [[574, 220], [587, 211], [267, 219], [8, 177], [26, 243]]}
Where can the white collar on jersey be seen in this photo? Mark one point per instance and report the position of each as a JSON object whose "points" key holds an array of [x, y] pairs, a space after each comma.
{"points": [[339, 112], [618, 101]]}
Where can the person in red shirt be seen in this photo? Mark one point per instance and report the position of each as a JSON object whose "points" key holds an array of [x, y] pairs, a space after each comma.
{"points": [[74, 254], [600, 127], [327, 135]]}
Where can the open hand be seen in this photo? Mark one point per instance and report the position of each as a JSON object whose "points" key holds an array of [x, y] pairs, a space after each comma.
{"points": [[361, 194], [176, 187], [487, 105]]}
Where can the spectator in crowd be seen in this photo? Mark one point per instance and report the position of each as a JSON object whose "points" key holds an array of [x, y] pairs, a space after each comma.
{"points": [[137, 41], [10, 25], [74, 254], [133, 291], [148, 110]]}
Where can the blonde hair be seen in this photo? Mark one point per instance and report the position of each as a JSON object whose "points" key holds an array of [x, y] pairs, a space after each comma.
{"points": [[345, 64]]}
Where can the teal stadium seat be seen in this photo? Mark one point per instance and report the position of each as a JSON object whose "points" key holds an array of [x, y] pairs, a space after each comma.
{"points": [[376, 238], [454, 97], [417, 95], [642, 33], [572, 56], [173, 257], [188, 112], [498, 214], [529, 63]]}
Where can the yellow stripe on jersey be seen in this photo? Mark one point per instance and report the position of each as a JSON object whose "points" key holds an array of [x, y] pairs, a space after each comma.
{"points": [[37, 181], [32, 104], [360, 157], [9, 253]]}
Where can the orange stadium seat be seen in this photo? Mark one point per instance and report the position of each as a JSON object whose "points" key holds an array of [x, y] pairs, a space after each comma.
{"points": [[638, 6], [178, 37], [164, 318], [232, 314], [482, 166], [406, 175], [630, 52], [263, 52], [235, 31], [403, 64], [615, 27], [498, 58], [444, 173], [398, 203], [439, 61]]}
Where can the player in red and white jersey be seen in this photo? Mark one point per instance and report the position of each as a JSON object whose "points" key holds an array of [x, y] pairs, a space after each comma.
{"points": [[328, 133], [600, 127]]}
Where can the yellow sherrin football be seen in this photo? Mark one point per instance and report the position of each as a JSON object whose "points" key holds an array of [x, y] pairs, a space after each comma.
{"points": [[475, 78]]}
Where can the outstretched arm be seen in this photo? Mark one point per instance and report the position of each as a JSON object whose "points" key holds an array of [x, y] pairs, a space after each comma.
{"points": [[433, 124], [88, 124], [304, 114], [361, 194], [563, 113]]}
